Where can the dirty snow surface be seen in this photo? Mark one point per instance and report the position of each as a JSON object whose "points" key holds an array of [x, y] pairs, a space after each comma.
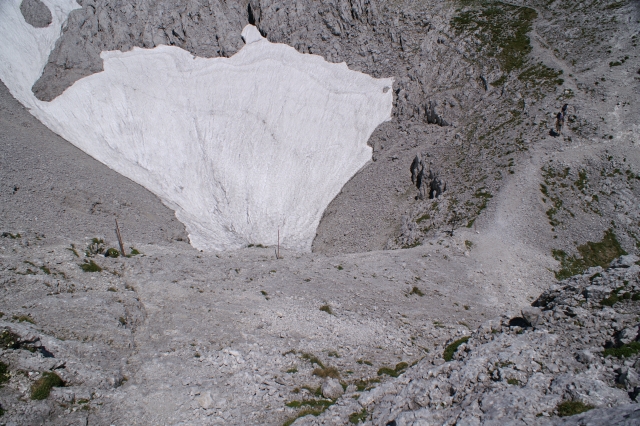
{"points": [[240, 147]]}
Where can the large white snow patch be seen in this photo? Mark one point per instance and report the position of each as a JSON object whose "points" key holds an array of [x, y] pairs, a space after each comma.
{"points": [[240, 147]]}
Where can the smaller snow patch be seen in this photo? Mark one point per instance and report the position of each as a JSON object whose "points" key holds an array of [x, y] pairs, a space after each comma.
{"points": [[250, 34]]}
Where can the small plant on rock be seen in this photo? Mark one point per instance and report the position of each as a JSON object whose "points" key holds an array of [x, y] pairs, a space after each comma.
{"points": [[400, 368], [90, 266], [42, 387], [327, 309], [571, 408], [452, 348]]}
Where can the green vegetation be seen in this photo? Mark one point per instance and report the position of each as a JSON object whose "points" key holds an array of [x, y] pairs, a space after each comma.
{"points": [[24, 318], [9, 340], [363, 385], [592, 254], [10, 235], [90, 266], [73, 250], [340, 268], [624, 351], [111, 252], [327, 309], [570, 408], [42, 387], [310, 403], [400, 368], [364, 361], [4, 373], [312, 359], [133, 252], [468, 244], [358, 417], [514, 382], [452, 348], [424, 217], [292, 370], [415, 290], [501, 29], [303, 413], [95, 247]]}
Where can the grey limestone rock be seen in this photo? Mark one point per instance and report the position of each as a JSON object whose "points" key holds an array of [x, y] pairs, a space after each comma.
{"points": [[36, 13], [625, 261], [332, 389]]}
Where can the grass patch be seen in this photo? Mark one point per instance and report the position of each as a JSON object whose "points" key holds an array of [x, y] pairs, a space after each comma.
{"points": [[325, 372], [359, 416], [416, 291], [42, 387], [292, 370], [452, 348], [327, 309], [468, 244], [363, 385], [364, 361], [400, 368], [4, 373], [611, 300], [514, 382], [90, 266], [501, 29], [593, 254], [312, 359], [303, 413], [111, 252], [9, 340], [315, 403], [24, 318], [624, 351], [571, 408]]}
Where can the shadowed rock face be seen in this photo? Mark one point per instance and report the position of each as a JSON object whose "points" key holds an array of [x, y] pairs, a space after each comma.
{"points": [[36, 13]]}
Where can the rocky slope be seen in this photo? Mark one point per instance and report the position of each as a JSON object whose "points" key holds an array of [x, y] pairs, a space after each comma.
{"points": [[177, 336]]}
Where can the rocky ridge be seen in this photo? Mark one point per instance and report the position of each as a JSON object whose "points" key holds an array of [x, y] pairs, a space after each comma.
{"points": [[578, 346]]}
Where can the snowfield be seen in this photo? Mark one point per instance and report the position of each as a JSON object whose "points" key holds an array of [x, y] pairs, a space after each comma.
{"points": [[240, 147]]}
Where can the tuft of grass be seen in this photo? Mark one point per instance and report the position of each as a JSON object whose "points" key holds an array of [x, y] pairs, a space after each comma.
{"points": [[339, 267], [364, 361], [452, 348], [4, 373], [42, 387], [133, 252], [312, 359], [571, 408], [73, 250], [363, 385], [90, 266], [24, 318], [327, 372], [611, 300], [358, 416], [515, 382], [292, 370], [327, 309], [310, 403], [400, 368], [303, 413], [468, 244], [9, 340], [624, 351], [111, 252], [416, 291], [593, 254], [113, 289]]}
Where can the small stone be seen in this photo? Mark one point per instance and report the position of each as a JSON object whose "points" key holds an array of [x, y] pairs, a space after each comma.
{"points": [[585, 356], [532, 315], [332, 389], [205, 400], [626, 261]]}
